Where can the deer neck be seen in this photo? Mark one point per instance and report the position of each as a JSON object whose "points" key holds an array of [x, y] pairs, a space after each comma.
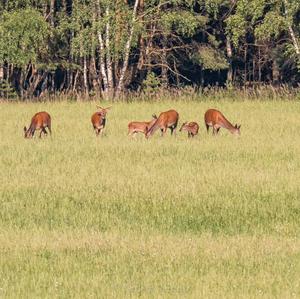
{"points": [[228, 125]]}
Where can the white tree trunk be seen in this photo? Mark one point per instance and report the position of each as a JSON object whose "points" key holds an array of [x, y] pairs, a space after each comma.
{"points": [[101, 53], [291, 31], [294, 39], [127, 50], [1, 72], [110, 82], [85, 79], [229, 55]]}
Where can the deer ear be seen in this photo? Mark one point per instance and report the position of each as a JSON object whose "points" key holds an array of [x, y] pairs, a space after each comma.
{"points": [[239, 126]]}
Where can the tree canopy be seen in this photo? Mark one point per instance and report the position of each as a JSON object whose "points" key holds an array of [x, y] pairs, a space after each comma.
{"points": [[108, 47]]}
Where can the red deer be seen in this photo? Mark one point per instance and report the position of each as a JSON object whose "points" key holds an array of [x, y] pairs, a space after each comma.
{"points": [[215, 119], [99, 120], [40, 121], [168, 119], [135, 127], [192, 128]]}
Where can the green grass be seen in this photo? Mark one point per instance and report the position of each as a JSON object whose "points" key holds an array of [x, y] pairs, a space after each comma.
{"points": [[168, 217]]}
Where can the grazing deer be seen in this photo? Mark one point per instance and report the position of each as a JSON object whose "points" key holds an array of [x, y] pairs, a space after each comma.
{"points": [[99, 120], [192, 128], [168, 119], [40, 121], [138, 126], [215, 119]]}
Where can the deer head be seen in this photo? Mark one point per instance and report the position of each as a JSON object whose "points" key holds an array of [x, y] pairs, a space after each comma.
{"points": [[27, 133], [183, 126], [103, 111], [237, 130]]}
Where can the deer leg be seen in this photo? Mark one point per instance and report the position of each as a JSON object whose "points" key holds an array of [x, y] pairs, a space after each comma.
{"points": [[214, 130], [130, 132], [101, 132], [163, 131], [174, 130], [49, 128], [44, 131], [218, 130], [95, 130], [134, 133], [207, 127]]}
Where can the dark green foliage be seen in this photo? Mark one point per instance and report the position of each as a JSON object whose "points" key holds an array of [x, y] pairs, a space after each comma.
{"points": [[6, 90], [104, 47], [210, 59], [23, 36]]}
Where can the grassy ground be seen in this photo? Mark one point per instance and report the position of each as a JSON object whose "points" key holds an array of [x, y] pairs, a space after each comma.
{"points": [[82, 216]]}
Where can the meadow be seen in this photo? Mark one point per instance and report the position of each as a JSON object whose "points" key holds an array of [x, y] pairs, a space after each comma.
{"points": [[115, 217]]}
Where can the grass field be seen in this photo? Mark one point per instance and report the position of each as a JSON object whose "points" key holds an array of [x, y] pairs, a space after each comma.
{"points": [[111, 217]]}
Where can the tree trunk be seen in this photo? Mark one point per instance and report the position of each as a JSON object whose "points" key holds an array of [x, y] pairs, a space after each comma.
{"points": [[127, 50], [259, 66], [110, 82], [1, 72], [294, 39], [35, 79], [94, 75], [245, 64], [101, 54], [52, 12], [137, 73], [75, 80], [229, 55], [275, 72], [291, 31], [85, 77]]}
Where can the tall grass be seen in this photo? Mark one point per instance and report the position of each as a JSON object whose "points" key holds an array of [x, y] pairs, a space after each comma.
{"points": [[166, 217], [249, 92]]}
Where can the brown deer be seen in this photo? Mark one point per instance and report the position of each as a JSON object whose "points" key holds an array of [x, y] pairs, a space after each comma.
{"points": [[99, 120], [40, 121], [215, 119], [168, 119], [135, 127], [192, 128]]}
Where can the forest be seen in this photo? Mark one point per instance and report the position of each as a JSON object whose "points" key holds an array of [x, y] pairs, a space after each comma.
{"points": [[108, 48]]}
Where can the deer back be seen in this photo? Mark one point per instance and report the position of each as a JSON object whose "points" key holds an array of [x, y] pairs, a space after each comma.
{"points": [[165, 120]]}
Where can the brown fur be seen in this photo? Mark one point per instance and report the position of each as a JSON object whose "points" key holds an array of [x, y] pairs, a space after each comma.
{"points": [[192, 128], [98, 120], [40, 121], [168, 119], [215, 119], [135, 127]]}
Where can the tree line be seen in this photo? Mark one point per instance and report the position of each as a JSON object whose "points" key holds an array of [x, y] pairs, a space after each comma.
{"points": [[108, 47]]}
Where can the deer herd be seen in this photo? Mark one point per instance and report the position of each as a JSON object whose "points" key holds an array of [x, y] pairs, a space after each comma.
{"points": [[166, 120]]}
